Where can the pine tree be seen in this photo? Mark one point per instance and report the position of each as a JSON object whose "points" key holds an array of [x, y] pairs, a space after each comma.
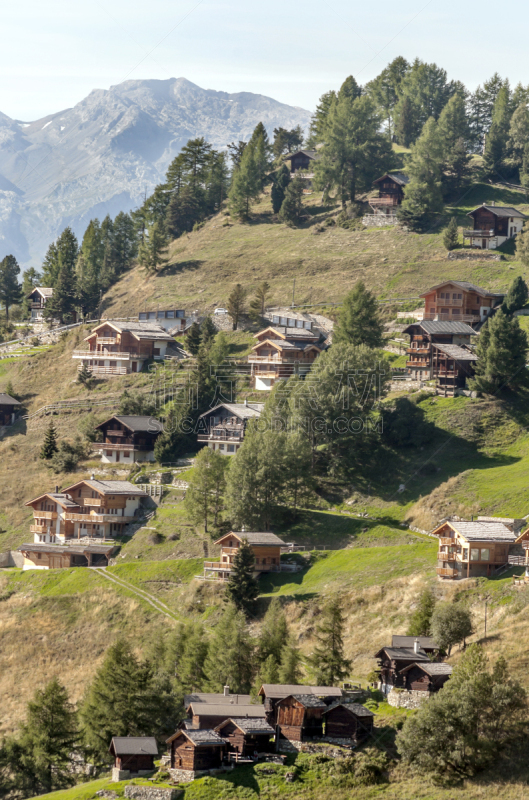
{"points": [[263, 150], [10, 290], [268, 673], [501, 350], [236, 304], [62, 305], [206, 487], [522, 246], [242, 588], [279, 187], [245, 184], [359, 321], [496, 142], [327, 660], [454, 133], [386, 89], [451, 234], [208, 331], [287, 141], [182, 212], [519, 136], [84, 376], [30, 279], [274, 633], [193, 338], [229, 659], [524, 169], [423, 196], [49, 446], [516, 296], [257, 306], [290, 666], [292, 207], [421, 619], [407, 126], [190, 671], [152, 252], [177, 437], [318, 123]]}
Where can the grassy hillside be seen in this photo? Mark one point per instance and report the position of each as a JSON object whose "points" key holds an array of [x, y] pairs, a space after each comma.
{"points": [[205, 265]]}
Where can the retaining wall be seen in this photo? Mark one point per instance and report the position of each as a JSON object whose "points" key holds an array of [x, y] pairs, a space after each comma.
{"points": [[152, 792], [407, 699]]}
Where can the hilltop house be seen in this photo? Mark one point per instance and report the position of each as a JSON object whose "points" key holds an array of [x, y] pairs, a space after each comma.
{"points": [[304, 160], [88, 509], [392, 661], [273, 693], [196, 750], [283, 351], [441, 351], [55, 556], [127, 439], [8, 408], [425, 677], [223, 426], [476, 548], [173, 321], [119, 348], [345, 720], [390, 194], [493, 225], [266, 547], [460, 301], [39, 296], [133, 754], [246, 736]]}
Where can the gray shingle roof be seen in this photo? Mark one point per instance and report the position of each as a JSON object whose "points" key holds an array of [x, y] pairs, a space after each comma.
{"points": [[59, 549], [256, 538], [44, 291], [436, 669], [456, 352], [500, 211], [434, 326], [137, 423], [64, 500], [142, 330], [252, 725], [227, 710], [134, 745], [115, 487], [484, 531], [241, 410], [204, 736], [279, 690], [7, 400], [218, 699], [466, 285], [408, 641], [355, 708], [309, 700], [403, 654], [313, 154], [398, 177], [292, 333]]}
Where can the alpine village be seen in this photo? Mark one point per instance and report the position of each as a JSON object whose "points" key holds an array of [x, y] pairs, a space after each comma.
{"points": [[264, 441]]}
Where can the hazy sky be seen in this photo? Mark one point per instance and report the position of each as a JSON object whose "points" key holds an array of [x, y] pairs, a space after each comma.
{"points": [[53, 53]]}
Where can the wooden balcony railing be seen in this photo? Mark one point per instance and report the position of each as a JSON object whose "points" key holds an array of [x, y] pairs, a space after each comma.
{"points": [[418, 363], [106, 340], [97, 370], [446, 572], [447, 540], [452, 317], [456, 302], [419, 350], [479, 234], [39, 528], [46, 514], [113, 354], [93, 501], [97, 518], [100, 446]]}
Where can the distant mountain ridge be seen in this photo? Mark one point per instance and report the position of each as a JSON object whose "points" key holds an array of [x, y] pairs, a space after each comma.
{"points": [[103, 154]]}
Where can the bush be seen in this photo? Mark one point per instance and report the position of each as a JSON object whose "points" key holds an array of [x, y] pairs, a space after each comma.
{"points": [[87, 428], [68, 455]]}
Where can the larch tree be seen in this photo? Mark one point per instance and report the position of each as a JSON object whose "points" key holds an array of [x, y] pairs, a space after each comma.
{"points": [[328, 661], [292, 206], [193, 338], [236, 304], [273, 636], [152, 252], [229, 661], [496, 142], [421, 619], [204, 496], [279, 188], [451, 234], [519, 136], [245, 183], [386, 89], [423, 198], [49, 446], [359, 321], [454, 133], [10, 289], [257, 305], [243, 588], [522, 245], [290, 665], [320, 118], [516, 296], [502, 354]]}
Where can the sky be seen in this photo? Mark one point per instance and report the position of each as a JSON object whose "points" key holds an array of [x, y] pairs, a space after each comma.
{"points": [[53, 54]]}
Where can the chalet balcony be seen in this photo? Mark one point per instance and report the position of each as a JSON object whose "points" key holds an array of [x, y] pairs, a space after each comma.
{"points": [[448, 541], [98, 518], [100, 446], [233, 433], [378, 202], [97, 370], [479, 234], [93, 501], [118, 355], [45, 514], [470, 318], [278, 360], [453, 302], [39, 528], [419, 363], [446, 572], [106, 340], [447, 556], [36, 306], [420, 350]]}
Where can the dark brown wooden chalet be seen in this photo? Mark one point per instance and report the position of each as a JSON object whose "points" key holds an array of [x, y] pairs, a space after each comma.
{"points": [[8, 408], [303, 160], [209, 715], [425, 677], [223, 427], [273, 693], [390, 193], [135, 754], [299, 717], [348, 721], [247, 737], [440, 350], [55, 556], [196, 750], [493, 225], [128, 439], [39, 296], [392, 660]]}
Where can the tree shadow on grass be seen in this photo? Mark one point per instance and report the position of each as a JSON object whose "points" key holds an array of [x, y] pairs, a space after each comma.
{"points": [[179, 266], [241, 776]]}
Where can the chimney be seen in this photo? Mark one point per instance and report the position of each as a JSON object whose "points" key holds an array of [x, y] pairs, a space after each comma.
{"points": [[493, 203], [416, 646], [245, 401], [56, 490], [92, 477], [226, 691]]}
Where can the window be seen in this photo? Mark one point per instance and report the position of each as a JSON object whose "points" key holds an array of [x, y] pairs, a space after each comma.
{"points": [[459, 296], [143, 315], [284, 321], [161, 315], [256, 560], [152, 315], [299, 323], [291, 323], [222, 447], [432, 311], [307, 325], [474, 554], [170, 314], [275, 320], [442, 295], [465, 553], [231, 448], [485, 554], [109, 452], [126, 454]]}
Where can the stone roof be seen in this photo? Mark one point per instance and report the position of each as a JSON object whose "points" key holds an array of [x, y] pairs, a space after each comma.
{"points": [[466, 285], [80, 549], [500, 211], [425, 642], [141, 330], [279, 690], [205, 736], [403, 654], [255, 538], [114, 487], [436, 326], [227, 710], [398, 177], [44, 291], [308, 700], [456, 352], [252, 725], [218, 699], [291, 333], [241, 410], [7, 400], [483, 531], [436, 669], [355, 708], [134, 745], [137, 423]]}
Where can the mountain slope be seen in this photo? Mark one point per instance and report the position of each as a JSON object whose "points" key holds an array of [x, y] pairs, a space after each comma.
{"points": [[101, 155]]}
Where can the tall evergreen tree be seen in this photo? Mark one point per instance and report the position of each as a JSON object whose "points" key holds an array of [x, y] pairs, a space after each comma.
{"points": [[183, 211], [421, 619], [290, 666], [481, 105], [423, 196], [125, 242], [292, 206], [245, 183], [193, 338], [522, 246], [242, 588], [230, 651], [496, 143], [236, 304], [287, 141], [318, 123], [279, 187], [407, 126], [257, 306], [208, 331], [63, 304], [10, 289], [327, 660], [261, 144], [49, 446], [359, 321], [30, 279], [273, 636], [454, 133], [451, 234], [152, 252], [204, 497], [178, 435], [501, 350], [519, 136], [516, 296], [386, 90], [425, 91]]}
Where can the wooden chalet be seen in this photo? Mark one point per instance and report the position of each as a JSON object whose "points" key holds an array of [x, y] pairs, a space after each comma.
{"points": [[246, 736], [127, 439], [460, 301], [300, 717], [493, 225], [39, 296], [90, 509], [209, 715], [348, 721], [265, 545], [519, 556], [281, 353], [8, 409], [390, 193], [134, 754], [392, 660], [475, 548], [54, 556], [303, 160], [173, 320], [425, 677], [218, 698], [426, 643], [223, 427], [273, 693], [441, 351], [196, 750], [121, 348]]}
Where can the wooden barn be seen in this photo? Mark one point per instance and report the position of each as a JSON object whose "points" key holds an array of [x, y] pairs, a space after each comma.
{"points": [[273, 693], [55, 556], [196, 750], [390, 193], [8, 408], [425, 677], [247, 736], [348, 721], [208, 715], [134, 753], [299, 717]]}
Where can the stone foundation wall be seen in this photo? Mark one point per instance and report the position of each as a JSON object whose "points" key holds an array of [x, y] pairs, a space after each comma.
{"points": [[152, 792], [407, 699], [120, 774], [378, 220], [474, 255]]}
